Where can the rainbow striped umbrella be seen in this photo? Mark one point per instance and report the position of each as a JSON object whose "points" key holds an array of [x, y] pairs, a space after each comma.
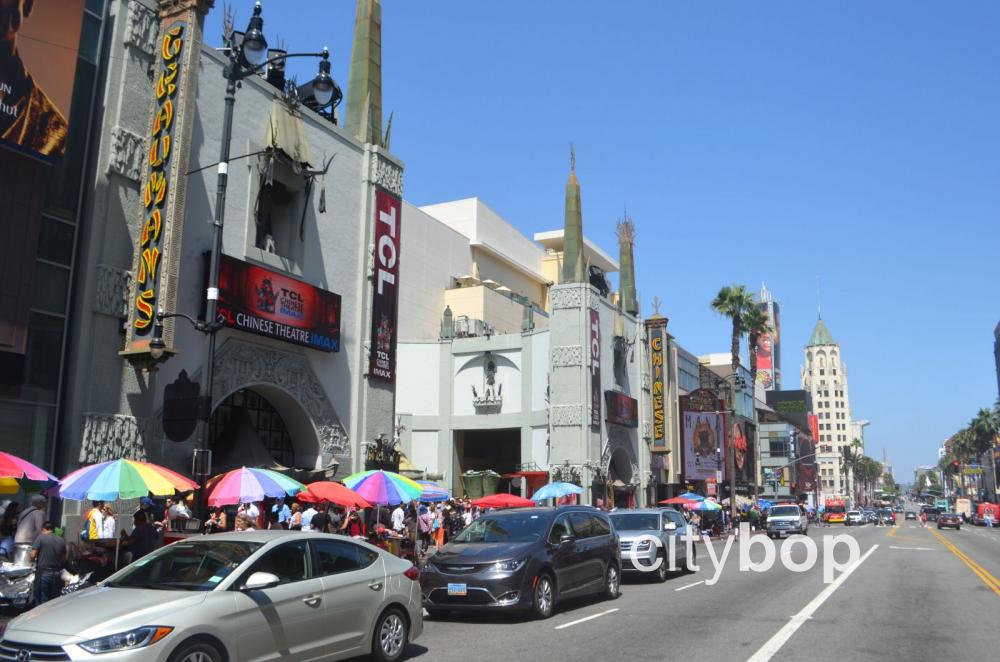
{"points": [[249, 485], [11, 466], [122, 479], [432, 491], [384, 488]]}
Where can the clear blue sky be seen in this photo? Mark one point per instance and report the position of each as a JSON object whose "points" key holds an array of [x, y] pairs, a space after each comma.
{"points": [[768, 141]]}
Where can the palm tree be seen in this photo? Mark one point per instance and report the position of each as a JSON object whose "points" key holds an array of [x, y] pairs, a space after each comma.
{"points": [[982, 432], [734, 302], [755, 324], [849, 459]]}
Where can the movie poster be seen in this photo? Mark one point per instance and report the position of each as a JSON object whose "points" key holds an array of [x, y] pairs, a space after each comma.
{"points": [[703, 434], [38, 49]]}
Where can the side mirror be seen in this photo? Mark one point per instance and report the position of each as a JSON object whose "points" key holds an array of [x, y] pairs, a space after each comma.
{"points": [[566, 538], [260, 580], [670, 526]]}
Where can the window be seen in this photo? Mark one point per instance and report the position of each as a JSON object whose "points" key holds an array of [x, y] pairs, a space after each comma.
{"points": [[560, 528], [601, 526], [288, 562], [582, 525], [280, 210], [336, 556], [822, 371], [190, 565]]}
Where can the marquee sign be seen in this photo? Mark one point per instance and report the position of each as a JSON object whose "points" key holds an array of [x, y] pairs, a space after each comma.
{"points": [[658, 366], [385, 294], [151, 245], [267, 303]]}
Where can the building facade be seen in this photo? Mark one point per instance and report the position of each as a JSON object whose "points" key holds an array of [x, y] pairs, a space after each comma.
{"points": [[824, 376]]}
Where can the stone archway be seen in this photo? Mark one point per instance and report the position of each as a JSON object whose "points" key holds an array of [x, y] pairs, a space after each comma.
{"points": [[288, 381]]}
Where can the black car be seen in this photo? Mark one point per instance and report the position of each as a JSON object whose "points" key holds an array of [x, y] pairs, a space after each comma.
{"points": [[528, 558]]}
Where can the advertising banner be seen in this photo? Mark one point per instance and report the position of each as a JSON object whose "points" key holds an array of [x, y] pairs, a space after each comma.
{"points": [[267, 303], [38, 49], [767, 351], [658, 366], [703, 432], [622, 409], [595, 368], [805, 452], [743, 458], [385, 296]]}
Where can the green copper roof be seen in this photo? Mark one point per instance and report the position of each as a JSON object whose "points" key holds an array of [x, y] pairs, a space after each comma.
{"points": [[821, 335]]}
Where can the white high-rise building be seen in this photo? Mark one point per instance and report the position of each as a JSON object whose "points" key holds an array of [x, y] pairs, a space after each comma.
{"points": [[824, 376]]}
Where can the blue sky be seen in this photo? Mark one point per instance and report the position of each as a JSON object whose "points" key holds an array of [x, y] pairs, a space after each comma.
{"points": [[752, 142]]}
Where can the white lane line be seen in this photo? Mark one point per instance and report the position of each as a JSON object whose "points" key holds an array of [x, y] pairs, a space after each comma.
{"points": [[914, 549], [774, 644], [586, 618], [689, 586]]}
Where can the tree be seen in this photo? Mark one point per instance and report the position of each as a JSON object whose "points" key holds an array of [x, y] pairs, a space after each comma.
{"points": [[734, 302], [755, 324]]}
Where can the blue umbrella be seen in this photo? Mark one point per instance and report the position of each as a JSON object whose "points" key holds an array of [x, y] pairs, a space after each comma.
{"points": [[764, 504], [555, 491], [691, 496], [432, 491]]}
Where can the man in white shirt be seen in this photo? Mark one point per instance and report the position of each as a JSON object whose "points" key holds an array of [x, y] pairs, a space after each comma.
{"points": [[307, 517], [398, 518]]}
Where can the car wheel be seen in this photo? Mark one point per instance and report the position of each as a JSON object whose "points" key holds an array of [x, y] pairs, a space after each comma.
{"points": [[543, 597], [391, 636], [958, 528], [612, 582], [196, 650], [661, 572], [939, 527]]}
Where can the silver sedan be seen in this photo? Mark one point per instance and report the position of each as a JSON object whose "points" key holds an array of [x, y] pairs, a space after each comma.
{"points": [[247, 596]]}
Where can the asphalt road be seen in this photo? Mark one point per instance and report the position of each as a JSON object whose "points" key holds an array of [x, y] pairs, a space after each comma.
{"points": [[916, 594]]}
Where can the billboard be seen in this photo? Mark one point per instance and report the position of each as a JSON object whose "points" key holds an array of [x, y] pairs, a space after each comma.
{"points": [[595, 368], [768, 370], [385, 294], [702, 433], [792, 406], [744, 456], [267, 303], [622, 409], [658, 394], [805, 453], [38, 48]]}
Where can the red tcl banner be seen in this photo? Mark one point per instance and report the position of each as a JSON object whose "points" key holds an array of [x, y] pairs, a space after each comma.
{"points": [[595, 368], [385, 296], [262, 301]]}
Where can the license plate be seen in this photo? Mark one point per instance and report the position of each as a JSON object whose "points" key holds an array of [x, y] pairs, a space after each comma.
{"points": [[457, 589], [782, 534]]}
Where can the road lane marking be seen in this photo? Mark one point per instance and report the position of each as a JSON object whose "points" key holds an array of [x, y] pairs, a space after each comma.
{"points": [[774, 644], [689, 586], [586, 618], [976, 569], [914, 549]]}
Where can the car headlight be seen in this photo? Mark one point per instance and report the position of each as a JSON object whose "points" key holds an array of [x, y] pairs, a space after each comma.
{"points": [[126, 641], [643, 545], [509, 566]]}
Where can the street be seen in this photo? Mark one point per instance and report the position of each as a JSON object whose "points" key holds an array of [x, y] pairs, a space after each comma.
{"points": [[911, 598]]}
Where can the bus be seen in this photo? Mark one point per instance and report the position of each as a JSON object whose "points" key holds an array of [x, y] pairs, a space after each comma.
{"points": [[836, 510]]}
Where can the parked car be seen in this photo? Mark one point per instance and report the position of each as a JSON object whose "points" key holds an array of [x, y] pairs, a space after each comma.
{"points": [[786, 518], [950, 520], [855, 518], [234, 596], [635, 527], [910, 514], [529, 558]]}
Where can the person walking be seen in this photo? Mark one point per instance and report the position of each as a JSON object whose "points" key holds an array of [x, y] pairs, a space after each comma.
{"points": [[988, 517], [307, 517], [398, 518], [923, 519], [48, 551]]}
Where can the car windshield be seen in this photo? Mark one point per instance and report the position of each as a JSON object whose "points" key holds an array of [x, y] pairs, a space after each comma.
{"points": [[854, 513], [636, 521], [504, 528], [949, 515], [785, 511], [185, 566]]}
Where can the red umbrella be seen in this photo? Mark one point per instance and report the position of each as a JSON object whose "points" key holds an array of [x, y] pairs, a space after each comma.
{"points": [[503, 501], [335, 493], [676, 501]]}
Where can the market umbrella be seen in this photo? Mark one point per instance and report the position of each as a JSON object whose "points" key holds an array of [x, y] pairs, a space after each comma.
{"points": [[122, 479], [677, 501], [691, 496], [503, 500], [249, 485], [764, 504], [325, 490], [705, 505], [555, 491], [17, 474], [384, 488], [432, 491]]}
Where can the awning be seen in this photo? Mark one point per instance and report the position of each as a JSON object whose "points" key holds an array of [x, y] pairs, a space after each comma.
{"points": [[285, 135]]}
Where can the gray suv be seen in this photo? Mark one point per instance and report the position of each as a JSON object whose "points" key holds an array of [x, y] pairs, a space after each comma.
{"points": [[786, 519], [528, 558], [640, 529]]}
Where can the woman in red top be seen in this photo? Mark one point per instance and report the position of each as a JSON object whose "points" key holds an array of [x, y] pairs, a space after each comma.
{"points": [[353, 526]]}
